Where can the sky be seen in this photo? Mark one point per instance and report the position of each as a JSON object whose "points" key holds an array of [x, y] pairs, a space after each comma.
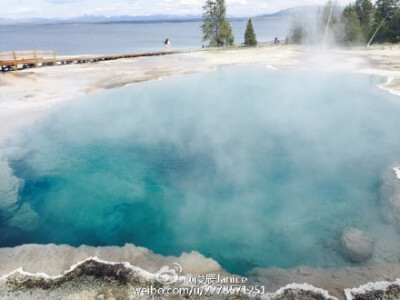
{"points": [[74, 8]]}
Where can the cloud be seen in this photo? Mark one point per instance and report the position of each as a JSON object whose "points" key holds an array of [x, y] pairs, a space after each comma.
{"points": [[62, 1], [73, 8]]}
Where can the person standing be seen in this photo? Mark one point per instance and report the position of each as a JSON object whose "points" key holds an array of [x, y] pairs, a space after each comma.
{"points": [[167, 44]]}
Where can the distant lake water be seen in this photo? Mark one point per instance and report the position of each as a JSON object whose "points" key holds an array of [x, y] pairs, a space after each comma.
{"points": [[71, 39]]}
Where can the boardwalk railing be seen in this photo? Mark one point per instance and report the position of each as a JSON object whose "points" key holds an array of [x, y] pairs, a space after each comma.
{"points": [[13, 60], [16, 60]]}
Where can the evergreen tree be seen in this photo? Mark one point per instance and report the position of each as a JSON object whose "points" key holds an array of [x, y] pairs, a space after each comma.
{"points": [[220, 10], [250, 38], [225, 35], [385, 19], [329, 20], [352, 27], [359, 22], [394, 27], [385, 9], [209, 23], [298, 32], [330, 14], [365, 12], [216, 28]]}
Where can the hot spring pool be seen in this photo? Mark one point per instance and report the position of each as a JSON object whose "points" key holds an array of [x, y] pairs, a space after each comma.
{"points": [[248, 166]]}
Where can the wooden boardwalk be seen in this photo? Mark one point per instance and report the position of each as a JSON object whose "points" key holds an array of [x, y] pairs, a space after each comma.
{"points": [[19, 60], [12, 61]]}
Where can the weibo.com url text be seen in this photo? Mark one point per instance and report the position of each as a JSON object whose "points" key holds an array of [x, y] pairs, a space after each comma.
{"points": [[201, 291]]}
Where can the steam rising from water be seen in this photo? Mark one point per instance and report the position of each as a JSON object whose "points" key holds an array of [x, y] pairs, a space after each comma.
{"points": [[249, 166]]}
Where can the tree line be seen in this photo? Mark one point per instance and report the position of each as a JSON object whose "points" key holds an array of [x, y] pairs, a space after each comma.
{"points": [[362, 21], [216, 28]]}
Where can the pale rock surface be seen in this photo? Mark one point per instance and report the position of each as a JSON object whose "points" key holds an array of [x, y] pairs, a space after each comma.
{"points": [[390, 197], [9, 187], [357, 245]]}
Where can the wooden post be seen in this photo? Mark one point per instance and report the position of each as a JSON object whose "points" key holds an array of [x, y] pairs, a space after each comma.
{"points": [[15, 61], [35, 59], [54, 57]]}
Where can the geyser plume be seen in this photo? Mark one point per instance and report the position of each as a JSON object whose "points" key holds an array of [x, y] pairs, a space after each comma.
{"points": [[316, 27], [331, 7]]}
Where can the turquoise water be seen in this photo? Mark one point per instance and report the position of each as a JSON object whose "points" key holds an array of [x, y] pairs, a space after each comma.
{"points": [[248, 166]]}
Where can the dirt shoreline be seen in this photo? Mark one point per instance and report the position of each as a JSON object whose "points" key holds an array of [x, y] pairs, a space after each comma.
{"points": [[52, 263]]}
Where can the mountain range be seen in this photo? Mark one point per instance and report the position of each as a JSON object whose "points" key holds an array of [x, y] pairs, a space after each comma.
{"points": [[149, 19]]}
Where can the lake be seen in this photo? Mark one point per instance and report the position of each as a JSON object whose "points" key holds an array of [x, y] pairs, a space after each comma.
{"points": [[75, 39]]}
